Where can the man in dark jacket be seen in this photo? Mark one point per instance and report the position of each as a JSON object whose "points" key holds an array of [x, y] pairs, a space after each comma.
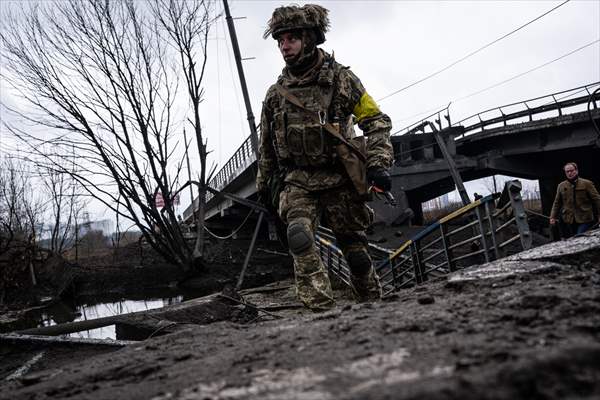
{"points": [[576, 201]]}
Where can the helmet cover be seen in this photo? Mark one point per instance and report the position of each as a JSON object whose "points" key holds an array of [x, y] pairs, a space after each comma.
{"points": [[290, 18]]}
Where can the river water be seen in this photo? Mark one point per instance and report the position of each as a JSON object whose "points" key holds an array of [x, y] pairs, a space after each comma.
{"points": [[98, 307]]}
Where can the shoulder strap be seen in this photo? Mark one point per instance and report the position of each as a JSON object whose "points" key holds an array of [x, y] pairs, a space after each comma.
{"points": [[327, 82], [328, 127]]}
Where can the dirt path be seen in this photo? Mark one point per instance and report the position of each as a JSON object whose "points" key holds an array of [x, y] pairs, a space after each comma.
{"points": [[524, 327]]}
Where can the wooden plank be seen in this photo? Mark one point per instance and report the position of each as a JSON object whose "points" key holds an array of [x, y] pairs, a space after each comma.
{"points": [[16, 339]]}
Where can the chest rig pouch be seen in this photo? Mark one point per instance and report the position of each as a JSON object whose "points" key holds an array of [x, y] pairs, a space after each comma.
{"points": [[300, 139]]}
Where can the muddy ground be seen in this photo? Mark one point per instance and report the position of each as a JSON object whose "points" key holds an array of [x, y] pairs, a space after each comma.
{"points": [[526, 327]]}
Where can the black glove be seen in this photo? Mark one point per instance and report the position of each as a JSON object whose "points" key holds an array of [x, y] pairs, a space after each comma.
{"points": [[379, 177]]}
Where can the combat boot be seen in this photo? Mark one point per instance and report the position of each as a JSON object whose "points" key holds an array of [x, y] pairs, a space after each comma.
{"points": [[366, 288]]}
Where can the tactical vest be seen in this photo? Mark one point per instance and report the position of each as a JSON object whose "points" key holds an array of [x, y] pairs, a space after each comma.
{"points": [[300, 140]]}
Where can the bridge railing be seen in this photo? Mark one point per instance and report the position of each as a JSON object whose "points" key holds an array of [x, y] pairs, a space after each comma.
{"points": [[482, 231], [239, 161], [483, 234], [524, 111], [528, 109], [334, 260], [439, 117]]}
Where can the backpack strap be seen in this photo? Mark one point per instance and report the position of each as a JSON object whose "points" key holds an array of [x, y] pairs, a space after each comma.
{"points": [[321, 117]]}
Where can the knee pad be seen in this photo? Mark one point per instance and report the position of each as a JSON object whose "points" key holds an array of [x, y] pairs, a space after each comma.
{"points": [[299, 237], [359, 262]]}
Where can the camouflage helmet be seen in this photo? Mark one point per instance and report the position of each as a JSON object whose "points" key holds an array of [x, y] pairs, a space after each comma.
{"points": [[293, 17]]}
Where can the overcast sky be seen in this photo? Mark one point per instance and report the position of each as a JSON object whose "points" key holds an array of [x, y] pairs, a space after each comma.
{"points": [[391, 44]]}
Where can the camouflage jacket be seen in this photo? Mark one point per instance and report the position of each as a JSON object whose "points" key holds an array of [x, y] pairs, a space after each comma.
{"points": [[295, 142]]}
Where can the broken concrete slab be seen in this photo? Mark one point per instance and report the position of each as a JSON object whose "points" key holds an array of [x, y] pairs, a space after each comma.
{"points": [[575, 251]]}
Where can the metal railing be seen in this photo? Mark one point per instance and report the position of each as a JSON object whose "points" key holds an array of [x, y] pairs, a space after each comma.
{"points": [[413, 147], [559, 101], [419, 125], [239, 161], [334, 260], [485, 233]]}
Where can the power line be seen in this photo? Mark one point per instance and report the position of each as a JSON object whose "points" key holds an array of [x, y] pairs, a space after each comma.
{"points": [[428, 111], [473, 52], [527, 72], [506, 81]]}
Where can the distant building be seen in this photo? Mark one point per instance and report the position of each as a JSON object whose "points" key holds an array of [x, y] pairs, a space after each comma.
{"points": [[104, 225], [83, 227]]}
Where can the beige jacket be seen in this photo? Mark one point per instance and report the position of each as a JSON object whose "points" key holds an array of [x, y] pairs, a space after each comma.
{"points": [[576, 207]]}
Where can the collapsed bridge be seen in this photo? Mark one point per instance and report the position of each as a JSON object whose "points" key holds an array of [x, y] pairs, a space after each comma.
{"points": [[529, 139]]}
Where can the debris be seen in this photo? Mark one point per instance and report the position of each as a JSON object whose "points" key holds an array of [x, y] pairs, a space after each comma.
{"points": [[425, 299]]}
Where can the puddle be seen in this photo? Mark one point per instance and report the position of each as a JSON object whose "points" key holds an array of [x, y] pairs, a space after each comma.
{"points": [[93, 307], [106, 332], [60, 313]]}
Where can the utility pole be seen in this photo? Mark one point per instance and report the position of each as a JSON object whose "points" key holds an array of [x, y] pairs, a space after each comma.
{"points": [[253, 133], [240, 69], [187, 158], [451, 165]]}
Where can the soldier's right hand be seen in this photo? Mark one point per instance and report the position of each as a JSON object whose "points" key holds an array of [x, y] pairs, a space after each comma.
{"points": [[379, 177]]}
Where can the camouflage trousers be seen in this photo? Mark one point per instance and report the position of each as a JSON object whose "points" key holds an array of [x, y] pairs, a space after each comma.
{"points": [[348, 217]]}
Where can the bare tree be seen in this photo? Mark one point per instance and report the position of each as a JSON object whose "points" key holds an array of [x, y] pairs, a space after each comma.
{"points": [[20, 211], [494, 183], [65, 203], [20, 216], [185, 22], [104, 77]]}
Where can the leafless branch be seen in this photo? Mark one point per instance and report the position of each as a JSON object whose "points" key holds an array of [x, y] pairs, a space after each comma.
{"points": [[101, 81]]}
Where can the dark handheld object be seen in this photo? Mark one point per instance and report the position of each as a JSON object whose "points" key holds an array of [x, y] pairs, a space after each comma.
{"points": [[379, 178], [389, 197]]}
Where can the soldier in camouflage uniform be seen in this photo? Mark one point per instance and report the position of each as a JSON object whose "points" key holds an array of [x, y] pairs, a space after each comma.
{"points": [[316, 186]]}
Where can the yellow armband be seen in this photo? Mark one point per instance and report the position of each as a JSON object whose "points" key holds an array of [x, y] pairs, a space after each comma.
{"points": [[365, 108]]}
